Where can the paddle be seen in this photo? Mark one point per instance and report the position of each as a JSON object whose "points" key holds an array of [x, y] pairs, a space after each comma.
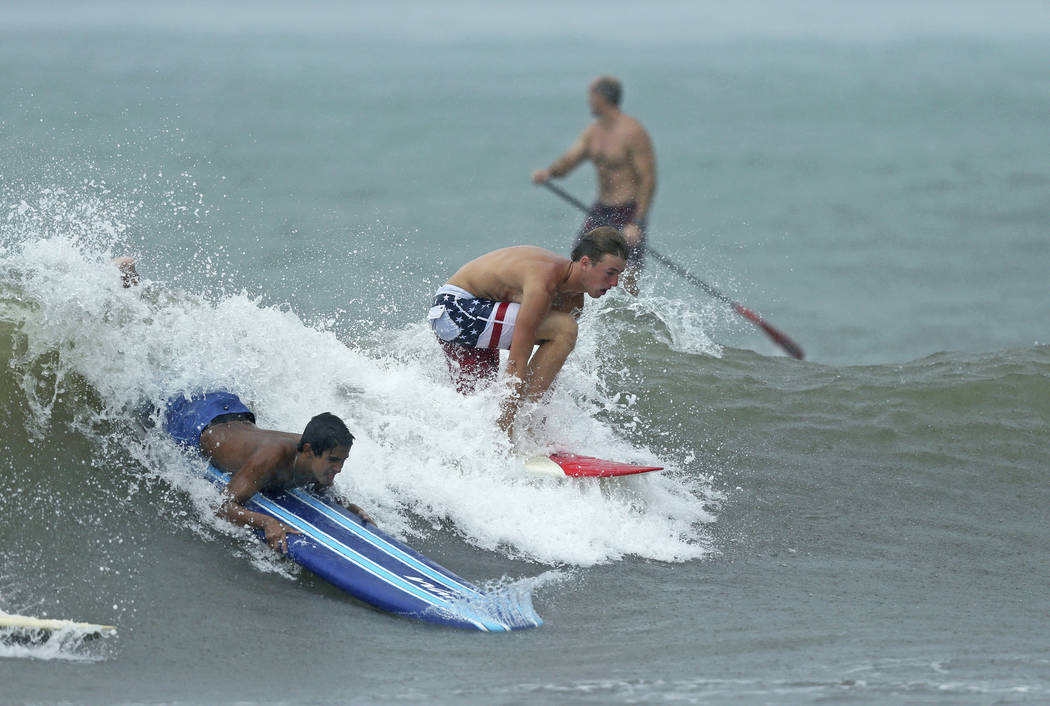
{"points": [[792, 348]]}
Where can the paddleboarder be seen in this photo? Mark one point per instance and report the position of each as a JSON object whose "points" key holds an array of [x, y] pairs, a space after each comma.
{"points": [[623, 158]]}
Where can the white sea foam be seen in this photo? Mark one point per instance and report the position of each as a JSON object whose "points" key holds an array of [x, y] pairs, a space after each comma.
{"points": [[424, 456]]}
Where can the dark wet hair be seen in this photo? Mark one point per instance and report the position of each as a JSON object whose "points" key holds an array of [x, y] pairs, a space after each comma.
{"points": [[325, 431], [602, 241], [608, 88]]}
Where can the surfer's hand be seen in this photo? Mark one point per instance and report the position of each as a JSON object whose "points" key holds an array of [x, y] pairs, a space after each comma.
{"points": [[128, 276], [277, 536], [360, 513]]}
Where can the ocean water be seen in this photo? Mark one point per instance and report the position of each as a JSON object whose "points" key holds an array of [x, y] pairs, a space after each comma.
{"points": [[868, 525]]}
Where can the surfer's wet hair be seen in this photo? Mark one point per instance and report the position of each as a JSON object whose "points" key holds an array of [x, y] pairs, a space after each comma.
{"points": [[602, 241], [608, 88], [325, 431]]}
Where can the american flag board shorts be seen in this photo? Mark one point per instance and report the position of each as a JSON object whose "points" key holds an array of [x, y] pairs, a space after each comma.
{"points": [[457, 316]]}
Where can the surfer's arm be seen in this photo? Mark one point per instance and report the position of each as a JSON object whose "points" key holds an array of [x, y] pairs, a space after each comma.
{"points": [[359, 512], [242, 486], [535, 303]]}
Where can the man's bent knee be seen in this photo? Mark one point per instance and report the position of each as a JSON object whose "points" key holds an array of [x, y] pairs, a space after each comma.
{"points": [[559, 327]]}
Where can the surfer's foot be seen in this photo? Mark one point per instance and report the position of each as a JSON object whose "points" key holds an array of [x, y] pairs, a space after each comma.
{"points": [[530, 430], [128, 275]]}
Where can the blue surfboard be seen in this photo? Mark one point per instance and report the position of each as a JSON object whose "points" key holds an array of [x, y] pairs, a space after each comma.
{"points": [[374, 567]]}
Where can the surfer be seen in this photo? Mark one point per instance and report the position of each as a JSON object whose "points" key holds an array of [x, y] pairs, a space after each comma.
{"points": [[223, 429], [625, 164], [519, 297]]}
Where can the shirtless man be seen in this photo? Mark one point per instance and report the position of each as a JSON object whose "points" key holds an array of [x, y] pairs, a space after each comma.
{"points": [[623, 159], [522, 296], [223, 430]]}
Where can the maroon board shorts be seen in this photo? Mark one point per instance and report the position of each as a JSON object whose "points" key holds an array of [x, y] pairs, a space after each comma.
{"points": [[617, 217]]}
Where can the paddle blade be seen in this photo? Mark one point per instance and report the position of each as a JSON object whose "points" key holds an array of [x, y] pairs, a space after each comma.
{"points": [[789, 346]]}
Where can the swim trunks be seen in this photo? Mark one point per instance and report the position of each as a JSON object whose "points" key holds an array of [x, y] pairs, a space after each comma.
{"points": [[470, 367], [457, 316], [185, 418], [617, 217], [471, 332]]}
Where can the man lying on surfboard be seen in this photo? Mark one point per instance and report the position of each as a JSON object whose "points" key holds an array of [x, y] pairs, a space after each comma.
{"points": [[519, 297], [223, 429]]}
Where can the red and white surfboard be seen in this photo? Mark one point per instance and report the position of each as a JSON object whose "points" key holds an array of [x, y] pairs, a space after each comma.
{"points": [[566, 464]]}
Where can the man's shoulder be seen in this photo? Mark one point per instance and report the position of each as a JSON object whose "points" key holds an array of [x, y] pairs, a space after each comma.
{"points": [[510, 267], [588, 132], [634, 126], [523, 252], [542, 258], [543, 267], [272, 449]]}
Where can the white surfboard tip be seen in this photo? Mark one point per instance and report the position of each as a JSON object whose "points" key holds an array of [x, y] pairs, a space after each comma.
{"points": [[27, 622], [543, 465]]}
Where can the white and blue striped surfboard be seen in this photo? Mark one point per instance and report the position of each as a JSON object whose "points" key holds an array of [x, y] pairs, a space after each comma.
{"points": [[381, 571]]}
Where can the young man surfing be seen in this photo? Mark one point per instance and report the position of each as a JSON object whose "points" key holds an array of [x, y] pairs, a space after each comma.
{"points": [[223, 429], [519, 297]]}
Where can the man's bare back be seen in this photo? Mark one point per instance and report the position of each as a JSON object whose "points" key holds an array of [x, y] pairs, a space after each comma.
{"points": [[504, 275], [235, 446]]}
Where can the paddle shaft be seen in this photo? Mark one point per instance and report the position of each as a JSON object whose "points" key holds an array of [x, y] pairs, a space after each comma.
{"points": [[792, 348]]}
